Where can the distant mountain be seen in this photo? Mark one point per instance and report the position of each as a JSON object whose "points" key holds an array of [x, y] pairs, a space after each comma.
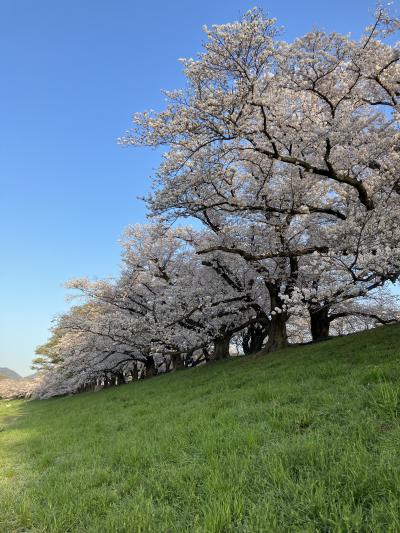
{"points": [[9, 374], [31, 376]]}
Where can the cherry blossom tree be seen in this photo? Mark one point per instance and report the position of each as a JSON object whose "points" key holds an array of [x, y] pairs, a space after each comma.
{"points": [[292, 146], [287, 153], [165, 311]]}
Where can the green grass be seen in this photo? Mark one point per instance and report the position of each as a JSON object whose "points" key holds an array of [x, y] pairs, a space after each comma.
{"points": [[305, 440]]}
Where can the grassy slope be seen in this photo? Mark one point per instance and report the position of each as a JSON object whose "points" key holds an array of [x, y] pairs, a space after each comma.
{"points": [[305, 440]]}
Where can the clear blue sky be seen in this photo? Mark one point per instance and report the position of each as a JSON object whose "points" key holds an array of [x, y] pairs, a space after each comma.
{"points": [[73, 72]]}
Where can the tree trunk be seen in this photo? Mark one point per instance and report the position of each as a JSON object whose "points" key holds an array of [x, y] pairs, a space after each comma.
{"points": [[277, 337], [277, 334], [107, 381], [320, 322], [121, 378], [150, 367], [135, 372], [178, 362], [221, 348], [253, 338]]}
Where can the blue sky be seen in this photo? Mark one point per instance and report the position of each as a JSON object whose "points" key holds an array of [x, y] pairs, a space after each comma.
{"points": [[73, 72]]}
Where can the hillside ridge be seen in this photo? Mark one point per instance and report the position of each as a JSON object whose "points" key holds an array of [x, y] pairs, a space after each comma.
{"points": [[9, 374]]}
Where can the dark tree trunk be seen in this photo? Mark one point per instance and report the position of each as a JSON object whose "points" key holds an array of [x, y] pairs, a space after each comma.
{"points": [[135, 372], [121, 378], [320, 322], [89, 387], [107, 382], [178, 362], [150, 367], [277, 334], [277, 337], [254, 337], [221, 348]]}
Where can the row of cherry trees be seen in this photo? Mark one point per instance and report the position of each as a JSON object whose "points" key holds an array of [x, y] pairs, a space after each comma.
{"points": [[287, 156]]}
